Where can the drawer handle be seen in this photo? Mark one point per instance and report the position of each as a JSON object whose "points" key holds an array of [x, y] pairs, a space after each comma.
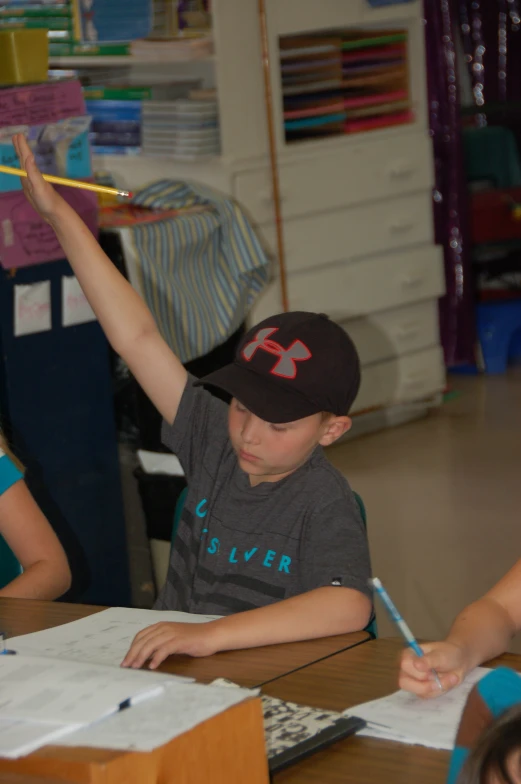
{"points": [[408, 331], [411, 281], [415, 380], [414, 383], [400, 170], [400, 226]]}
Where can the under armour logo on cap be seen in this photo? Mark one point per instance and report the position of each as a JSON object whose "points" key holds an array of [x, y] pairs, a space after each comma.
{"points": [[286, 366]]}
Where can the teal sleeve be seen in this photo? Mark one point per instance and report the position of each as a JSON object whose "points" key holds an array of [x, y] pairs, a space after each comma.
{"points": [[9, 473], [499, 691]]}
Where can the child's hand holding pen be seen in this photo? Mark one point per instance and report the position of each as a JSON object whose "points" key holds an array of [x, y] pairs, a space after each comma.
{"points": [[448, 661], [418, 652]]}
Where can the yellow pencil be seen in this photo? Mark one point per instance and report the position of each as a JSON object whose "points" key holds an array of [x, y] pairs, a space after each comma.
{"points": [[87, 186]]}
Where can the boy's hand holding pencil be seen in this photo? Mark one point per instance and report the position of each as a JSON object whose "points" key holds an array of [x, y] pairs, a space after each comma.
{"points": [[26, 159], [42, 196]]}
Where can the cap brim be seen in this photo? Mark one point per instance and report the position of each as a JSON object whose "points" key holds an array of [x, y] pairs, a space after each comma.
{"points": [[260, 395]]}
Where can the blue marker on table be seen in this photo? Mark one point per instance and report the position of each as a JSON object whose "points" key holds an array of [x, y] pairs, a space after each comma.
{"points": [[3, 649], [397, 618]]}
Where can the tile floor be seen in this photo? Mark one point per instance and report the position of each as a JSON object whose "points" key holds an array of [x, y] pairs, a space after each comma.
{"points": [[443, 498]]}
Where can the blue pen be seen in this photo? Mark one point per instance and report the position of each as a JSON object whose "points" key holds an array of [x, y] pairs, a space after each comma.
{"points": [[397, 618], [3, 649]]}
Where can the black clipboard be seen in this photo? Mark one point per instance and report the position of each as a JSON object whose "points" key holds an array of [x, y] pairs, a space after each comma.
{"points": [[342, 728]]}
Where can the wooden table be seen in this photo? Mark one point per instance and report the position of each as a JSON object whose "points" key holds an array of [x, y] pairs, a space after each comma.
{"points": [[342, 681], [253, 667], [17, 778]]}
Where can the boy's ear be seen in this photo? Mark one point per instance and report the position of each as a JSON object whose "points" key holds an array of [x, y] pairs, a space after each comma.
{"points": [[334, 428]]}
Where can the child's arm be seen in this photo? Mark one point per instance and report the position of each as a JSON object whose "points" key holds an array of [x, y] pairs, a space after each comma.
{"points": [[124, 317], [483, 630], [322, 612], [46, 572]]}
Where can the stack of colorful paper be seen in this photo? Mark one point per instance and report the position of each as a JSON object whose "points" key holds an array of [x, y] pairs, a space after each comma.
{"points": [[345, 83]]}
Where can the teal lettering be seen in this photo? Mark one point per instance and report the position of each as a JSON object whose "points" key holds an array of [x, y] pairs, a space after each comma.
{"points": [[270, 555], [199, 508], [284, 564], [248, 554], [214, 546], [232, 557]]}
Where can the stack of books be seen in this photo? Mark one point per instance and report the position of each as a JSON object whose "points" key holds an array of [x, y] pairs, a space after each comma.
{"points": [[117, 112], [70, 30], [345, 83], [116, 126], [55, 16]]}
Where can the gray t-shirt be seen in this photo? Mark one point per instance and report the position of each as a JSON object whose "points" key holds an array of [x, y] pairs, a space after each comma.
{"points": [[238, 547]]}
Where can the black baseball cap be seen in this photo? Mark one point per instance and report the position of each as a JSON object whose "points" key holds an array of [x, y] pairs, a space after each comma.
{"points": [[291, 366]]}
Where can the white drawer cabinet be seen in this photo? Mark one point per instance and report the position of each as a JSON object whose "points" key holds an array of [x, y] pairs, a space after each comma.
{"points": [[366, 170], [365, 230], [400, 380], [381, 336], [358, 288]]}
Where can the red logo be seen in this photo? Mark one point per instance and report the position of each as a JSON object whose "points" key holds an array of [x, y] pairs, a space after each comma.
{"points": [[286, 366]]}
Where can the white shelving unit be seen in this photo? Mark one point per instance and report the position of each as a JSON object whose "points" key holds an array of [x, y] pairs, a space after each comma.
{"points": [[128, 60], [357, 209]]}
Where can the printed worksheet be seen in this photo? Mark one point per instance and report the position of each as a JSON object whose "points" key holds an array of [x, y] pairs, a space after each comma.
{"points": [[18, 738], [102, 638], [405, 718], [36, 688], [152, 723]]}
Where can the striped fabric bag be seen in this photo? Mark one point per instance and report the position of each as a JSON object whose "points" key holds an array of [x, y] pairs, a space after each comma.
{"points": [[199, 273]]}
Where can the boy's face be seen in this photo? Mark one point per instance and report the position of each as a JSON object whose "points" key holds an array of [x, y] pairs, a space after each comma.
{"points": [[268, 452]]}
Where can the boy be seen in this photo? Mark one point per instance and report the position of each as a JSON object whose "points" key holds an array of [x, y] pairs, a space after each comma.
{"points": [[270, 531]]}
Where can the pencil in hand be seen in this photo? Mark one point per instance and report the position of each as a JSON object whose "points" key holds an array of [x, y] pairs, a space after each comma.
{"points": [[401, 624]]}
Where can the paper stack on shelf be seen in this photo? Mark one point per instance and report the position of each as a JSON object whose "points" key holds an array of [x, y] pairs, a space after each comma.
{"points": [[186, 129], [345, 83]]}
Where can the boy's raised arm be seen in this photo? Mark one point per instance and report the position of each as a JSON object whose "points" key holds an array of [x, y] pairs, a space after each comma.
{"points": [[124, 317]]}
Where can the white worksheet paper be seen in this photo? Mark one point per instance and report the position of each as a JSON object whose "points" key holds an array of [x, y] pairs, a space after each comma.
{"points": [[152, 723], [102, 638], [35, 688], [18, 738], [405, 718]]}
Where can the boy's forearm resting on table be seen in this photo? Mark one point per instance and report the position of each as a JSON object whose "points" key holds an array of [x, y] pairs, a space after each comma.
{"points": [[322, 612]]}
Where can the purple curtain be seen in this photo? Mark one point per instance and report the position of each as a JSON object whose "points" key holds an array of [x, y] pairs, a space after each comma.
{"points": [[450, 193], [491, 34]]}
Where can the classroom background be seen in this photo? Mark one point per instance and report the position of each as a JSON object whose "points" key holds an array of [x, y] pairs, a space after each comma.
{"points": [[358, 158]]}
